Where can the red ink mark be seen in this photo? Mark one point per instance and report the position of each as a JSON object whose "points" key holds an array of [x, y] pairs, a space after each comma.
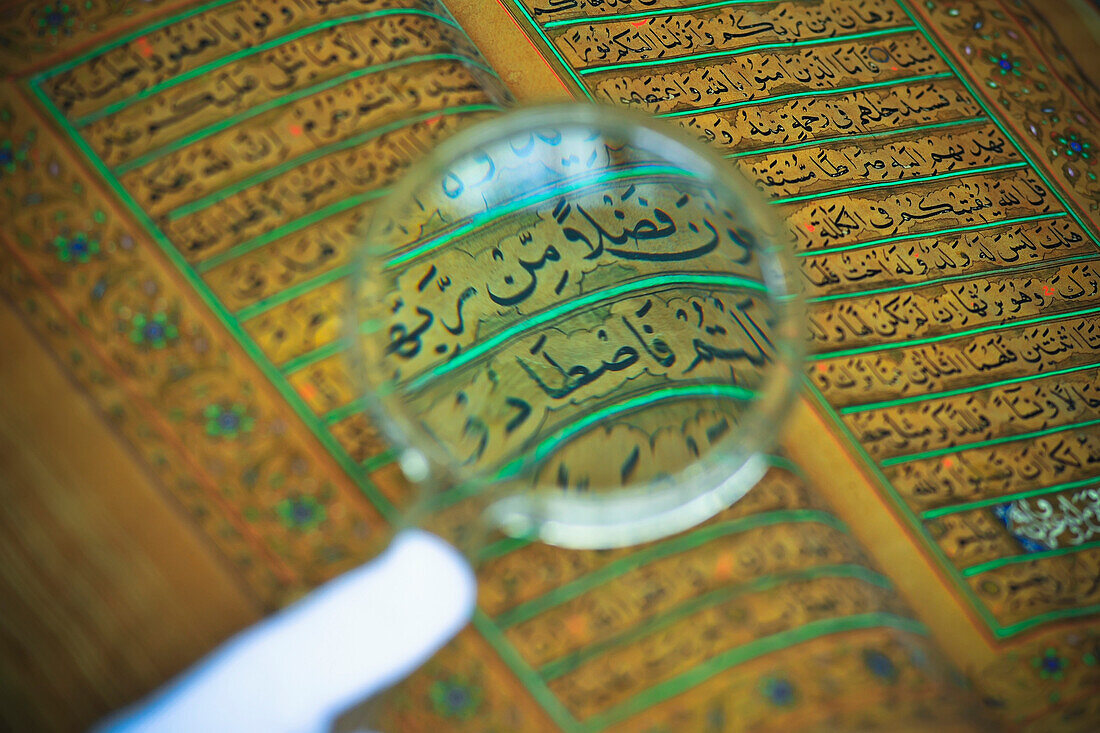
{"points": [[640, 23], [809, 227], [1048, 291], [144, 48], [947, 463], [295, 129], [893, 68], [723, 568], [435, 119], [821, 367]]}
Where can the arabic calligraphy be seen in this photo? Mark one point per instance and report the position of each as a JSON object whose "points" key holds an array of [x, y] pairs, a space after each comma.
{"points": [[533, 298], [952, 287]]}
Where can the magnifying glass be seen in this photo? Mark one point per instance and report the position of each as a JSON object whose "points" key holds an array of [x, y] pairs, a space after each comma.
{"points": [[578, 326]]}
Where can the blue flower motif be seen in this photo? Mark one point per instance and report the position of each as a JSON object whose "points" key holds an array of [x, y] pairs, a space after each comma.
{"points": [[880, 665], [779, 691], [453, 698]]}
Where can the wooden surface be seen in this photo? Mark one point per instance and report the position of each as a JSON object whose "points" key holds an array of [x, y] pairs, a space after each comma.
{"points": [[106, 589]]}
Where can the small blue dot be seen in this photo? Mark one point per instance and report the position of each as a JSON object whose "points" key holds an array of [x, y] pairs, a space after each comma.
{"points": [[780, 692], [457, 698], [1005, 64], [229, 420], [1076, 146], [153, 331], [5, 156]]}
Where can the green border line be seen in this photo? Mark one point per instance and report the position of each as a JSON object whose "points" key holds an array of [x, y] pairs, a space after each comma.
{"points": [[317, 153], [963, 390], [534, 320], [981, 102], [579, 586], [1010, 271], [280, 101], [530, 679], [916, 526], [553, 49], [659, 12], [289, 228], [803, 42], [809, 93], [731, 658], [899, 182], [718, 596], [1006, 498], [977, 445], [930, 235], [861, 136], [985, 567], [276, 299], [243, 53], [381, 503], [958, 334]]}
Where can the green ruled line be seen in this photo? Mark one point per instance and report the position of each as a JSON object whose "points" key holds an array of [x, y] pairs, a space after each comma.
{"points": [[1000, 562], [280, 101], [657, 12], [312, 357], [919, 529], [682, 543], [894, 184], [1042, 618], [953, 278], [265, 304], [538, 196], [1006, 498], [243, 53], [852, 409], [289, 228], [802, 42], [125, 39], [666, 280], [666, 394], [733, 657], [954, 335], [935, 44], [343, 412], [862, 136], [810, 93], [716, 597], [247, 343], [385, 458], [886, 462], [320, 152], [930, 235]]}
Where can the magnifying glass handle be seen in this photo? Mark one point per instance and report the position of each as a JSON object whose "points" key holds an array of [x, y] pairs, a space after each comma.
{"points": [[297, 670]]}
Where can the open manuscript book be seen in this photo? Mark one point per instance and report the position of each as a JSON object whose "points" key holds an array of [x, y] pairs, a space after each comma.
{"points": [[184, 182]]}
